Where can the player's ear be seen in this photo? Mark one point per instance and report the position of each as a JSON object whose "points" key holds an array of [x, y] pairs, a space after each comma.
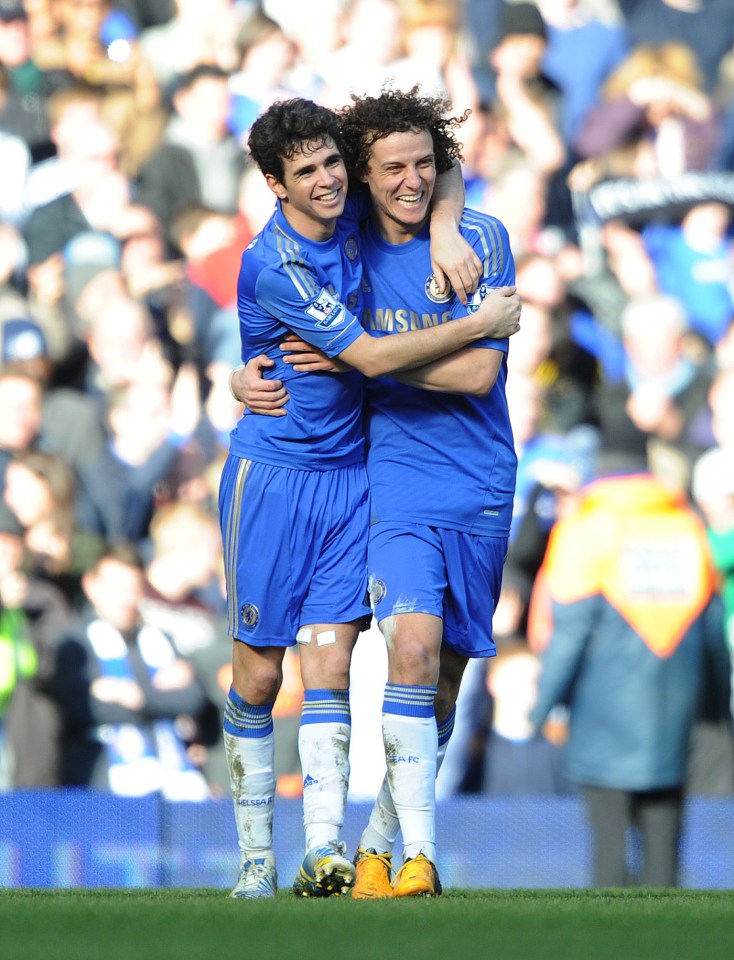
{"points": [[276, 186]]}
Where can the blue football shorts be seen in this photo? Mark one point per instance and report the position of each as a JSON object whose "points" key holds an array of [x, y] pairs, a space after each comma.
{"points": [[453, 575], [295, 548]]}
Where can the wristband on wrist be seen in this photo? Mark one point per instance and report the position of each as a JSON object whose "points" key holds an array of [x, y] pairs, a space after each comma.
{"points": [[231, 377]]}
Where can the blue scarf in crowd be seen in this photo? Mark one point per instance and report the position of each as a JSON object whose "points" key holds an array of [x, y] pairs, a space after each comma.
{"points": [[143, 758]]}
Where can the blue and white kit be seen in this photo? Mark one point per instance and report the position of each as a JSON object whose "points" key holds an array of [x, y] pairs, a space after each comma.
{"points": [[293, 498], [442, 461]]}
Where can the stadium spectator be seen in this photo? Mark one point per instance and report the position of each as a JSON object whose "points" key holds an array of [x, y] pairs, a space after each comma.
{"points": [[31, 613], [42, 491], [516, 759], [529, 105], [266, 56], [693, 263], [23, 85], [314, 39], [654, 101], [99, 195], [584, 46], [126, 697], [629, 579], [197, 33], [212, 243], [435, 53], [184, 597], [706, 27], [199, 160], [149, 425], [21, 408], [121, 344], [614, 268], [546, 347], [70, 112], [527, 224], [70, 423], [655, 409], [372, 33], [95, 45], [151, 276]]}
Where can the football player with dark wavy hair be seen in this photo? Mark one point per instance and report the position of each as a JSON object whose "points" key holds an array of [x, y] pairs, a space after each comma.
{"points": [[441, 515], [294, 493]]}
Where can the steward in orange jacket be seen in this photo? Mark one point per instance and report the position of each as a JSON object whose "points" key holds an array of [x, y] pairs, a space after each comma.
{"points": [[629, 578]]}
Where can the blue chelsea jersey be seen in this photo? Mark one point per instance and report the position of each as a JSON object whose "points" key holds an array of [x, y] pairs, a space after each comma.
{"points": [[440, 459], [290, 283]]}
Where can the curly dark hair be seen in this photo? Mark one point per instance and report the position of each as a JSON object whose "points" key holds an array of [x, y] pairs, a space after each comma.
{"points": [[369, 119], [280, 132]]}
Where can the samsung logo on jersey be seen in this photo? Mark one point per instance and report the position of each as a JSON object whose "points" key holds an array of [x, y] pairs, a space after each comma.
{"points": [[325, 310]]}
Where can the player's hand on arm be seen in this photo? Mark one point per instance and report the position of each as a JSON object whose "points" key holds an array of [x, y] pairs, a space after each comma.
{"points": [[503, 307], [452, 258], [261, 396], [305, 358]]}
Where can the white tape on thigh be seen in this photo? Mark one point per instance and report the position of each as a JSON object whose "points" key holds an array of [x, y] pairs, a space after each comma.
{"points": [[303, 635], [387, 629], [329, 636]]}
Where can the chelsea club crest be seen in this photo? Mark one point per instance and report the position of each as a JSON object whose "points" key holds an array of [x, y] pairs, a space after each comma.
{"points": [[432, 291], [250, 615]]}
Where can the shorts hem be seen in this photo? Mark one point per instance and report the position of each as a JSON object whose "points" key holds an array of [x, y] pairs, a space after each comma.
{"points": [[473, 654], [307, 619], [259, 643]]}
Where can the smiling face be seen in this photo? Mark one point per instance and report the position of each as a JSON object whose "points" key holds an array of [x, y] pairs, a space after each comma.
{"points": [[313, 189], [401, 177]]}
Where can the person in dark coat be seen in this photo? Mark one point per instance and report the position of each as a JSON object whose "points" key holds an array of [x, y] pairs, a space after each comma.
{"points": [[629, 579]]}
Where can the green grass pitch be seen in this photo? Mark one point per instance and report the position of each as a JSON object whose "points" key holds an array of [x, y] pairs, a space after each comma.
{"points": [[476, 924]]}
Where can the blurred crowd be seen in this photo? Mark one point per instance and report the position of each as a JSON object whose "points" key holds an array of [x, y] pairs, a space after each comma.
{"points": [[601, 132]]}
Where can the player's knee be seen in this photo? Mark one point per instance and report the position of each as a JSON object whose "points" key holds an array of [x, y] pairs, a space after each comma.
{"points": [[326, 669], [413, 661], [256, 678]]}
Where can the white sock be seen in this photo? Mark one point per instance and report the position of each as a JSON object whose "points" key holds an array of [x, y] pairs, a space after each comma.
{"points": [[323, 744], [411, 748], [250, 749], [383, 826]]}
